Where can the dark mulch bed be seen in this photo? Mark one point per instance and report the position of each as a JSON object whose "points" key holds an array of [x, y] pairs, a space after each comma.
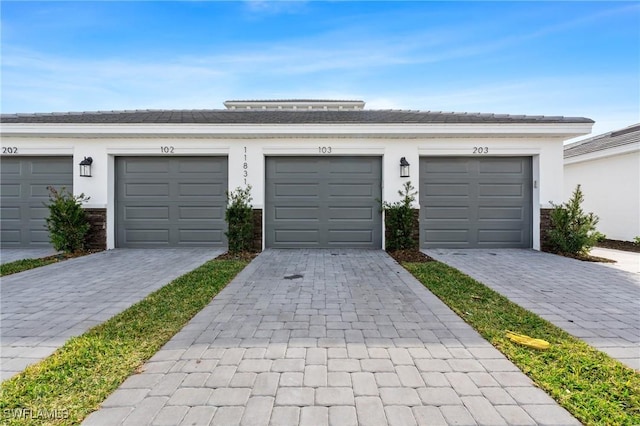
{"points": [[620, 245], [243, 255], [586, 258], [410, 256]]}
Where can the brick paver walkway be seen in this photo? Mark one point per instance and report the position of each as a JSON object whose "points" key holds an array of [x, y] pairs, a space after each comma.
{"points": [[317, 337], [594, 302], [42, 308]]}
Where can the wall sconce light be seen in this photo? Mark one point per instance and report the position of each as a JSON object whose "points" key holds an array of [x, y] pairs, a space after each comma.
{"points": [[85, 167], [404, 168]]}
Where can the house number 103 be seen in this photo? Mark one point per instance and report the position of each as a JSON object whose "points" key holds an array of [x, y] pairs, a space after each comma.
{"points": [[324, 149]]}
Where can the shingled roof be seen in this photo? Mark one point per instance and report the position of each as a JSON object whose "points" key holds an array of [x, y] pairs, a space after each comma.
{"points": [[626, 136], [219, 116]]}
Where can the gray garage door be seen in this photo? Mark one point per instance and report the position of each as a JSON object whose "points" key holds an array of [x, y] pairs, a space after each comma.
{"points": [[24, 183], [170, 202], [475, 202], [323, 202]]}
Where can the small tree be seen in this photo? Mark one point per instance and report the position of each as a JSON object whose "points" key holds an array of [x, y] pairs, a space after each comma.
{"points": [[67, 222], [399, 219], [572, 230], [239, 217]]}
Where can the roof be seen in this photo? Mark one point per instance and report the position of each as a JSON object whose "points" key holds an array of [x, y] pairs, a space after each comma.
{"points": [[627, 136], [255, 116], [295, 104]]}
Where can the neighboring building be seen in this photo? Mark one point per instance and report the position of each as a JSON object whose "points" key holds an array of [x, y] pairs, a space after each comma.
{"points": [[608, 169], [318, 170]]}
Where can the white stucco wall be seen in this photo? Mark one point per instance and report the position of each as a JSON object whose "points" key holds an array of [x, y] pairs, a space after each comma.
{"points": [[611, 188], [242, 145]]}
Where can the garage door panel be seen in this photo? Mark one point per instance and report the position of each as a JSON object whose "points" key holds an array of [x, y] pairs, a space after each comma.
{"points": [[296, 166], [177, 201], [296, 213], [188, 166], [297, 236], [451, 166], [147, 167], [207, 190], [446, 189], [139, 190], [447, 212], [39, 237], [22, 194], [9, 213], [496, 193], [501, 166], [10, 190], [501, 190], [39, 213], [11, 168], [45, 167], [341, 167], [200, 213], [149, 235], [328, 201], [501, 213], [447, 236], [351, 213], [499, 236], [39, 192], [189, 237], [351, 237], [339, 190], [145, 213], [10, 236]]}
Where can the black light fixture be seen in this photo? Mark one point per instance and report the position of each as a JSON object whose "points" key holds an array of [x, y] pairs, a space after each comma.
{"points": [[85, 167], [404, 167]]}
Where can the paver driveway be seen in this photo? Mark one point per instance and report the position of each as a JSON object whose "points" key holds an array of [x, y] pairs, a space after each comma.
{"points": [[42, 308], [316, 337], [594, 302]]}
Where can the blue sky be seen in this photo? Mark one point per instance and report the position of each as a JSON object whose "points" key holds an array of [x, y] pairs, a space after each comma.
{"points": [[540, 58]]}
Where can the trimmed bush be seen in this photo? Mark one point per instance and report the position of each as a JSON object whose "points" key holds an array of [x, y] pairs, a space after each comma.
{"points": [[239, 217], [399, 219], [67, 222], [572, 230]]}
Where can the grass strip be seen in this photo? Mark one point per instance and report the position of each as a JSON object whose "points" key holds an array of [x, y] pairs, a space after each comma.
{"points": [[595, 388], [25, 264], [74, 380]]}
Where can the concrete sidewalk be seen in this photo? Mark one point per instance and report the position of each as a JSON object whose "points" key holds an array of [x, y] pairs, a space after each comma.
{"points": [[625, 260], [592, 301], [318, 337], [12, 254], [42, 308]]}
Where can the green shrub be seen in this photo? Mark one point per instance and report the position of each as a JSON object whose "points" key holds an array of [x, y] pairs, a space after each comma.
{"points": [[572, 230], [239, 217], [67, 222], [636, 240], [399, 220]]}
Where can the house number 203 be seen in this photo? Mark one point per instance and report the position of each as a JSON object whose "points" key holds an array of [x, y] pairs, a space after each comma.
{"points": [[480, 149]]}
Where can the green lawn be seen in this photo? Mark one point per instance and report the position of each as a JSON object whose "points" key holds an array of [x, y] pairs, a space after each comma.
{"points": [[595, 388], [26, 264], [79, 376]]}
